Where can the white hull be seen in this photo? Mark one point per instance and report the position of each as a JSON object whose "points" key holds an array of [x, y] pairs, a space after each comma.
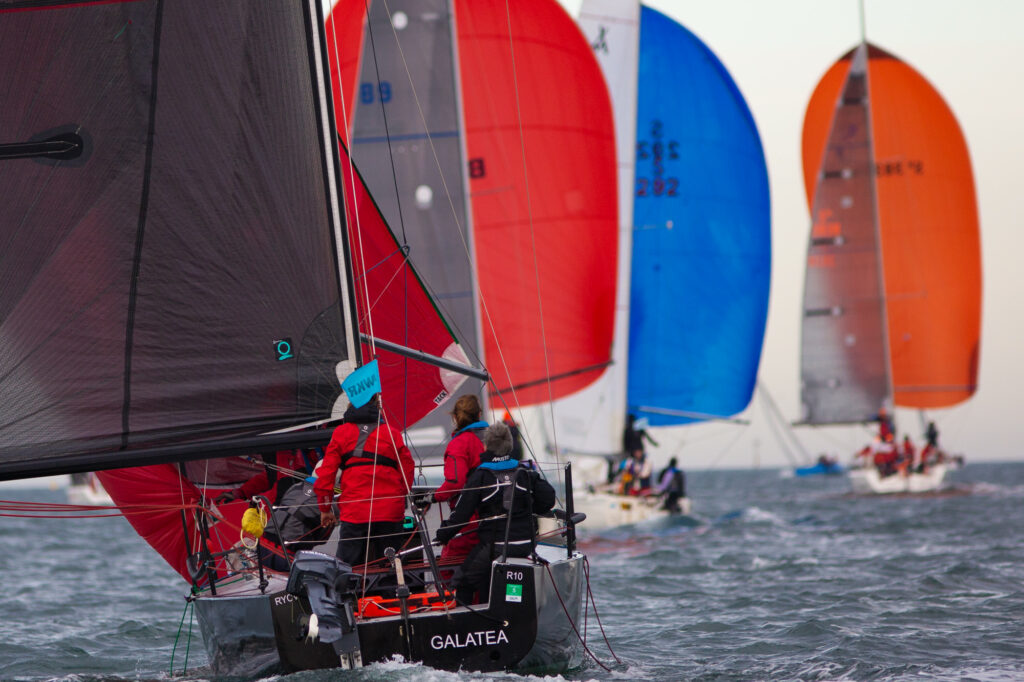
{"points": [[867, 481], [608, 510], [91, 493]]}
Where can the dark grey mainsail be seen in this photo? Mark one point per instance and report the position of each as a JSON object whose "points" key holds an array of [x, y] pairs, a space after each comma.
{"points": [[179, 277], [409, 146], [844, 360]]}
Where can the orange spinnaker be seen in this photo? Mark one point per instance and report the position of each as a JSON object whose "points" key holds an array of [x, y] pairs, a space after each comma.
{"points": [[928, 221]]}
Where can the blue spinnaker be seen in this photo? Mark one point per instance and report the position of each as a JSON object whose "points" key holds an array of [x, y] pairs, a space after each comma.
{"points": [[701, 236]]}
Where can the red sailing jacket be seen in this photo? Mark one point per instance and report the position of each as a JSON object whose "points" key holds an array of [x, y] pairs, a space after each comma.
{"points": [[460, 457], [373, 485]]}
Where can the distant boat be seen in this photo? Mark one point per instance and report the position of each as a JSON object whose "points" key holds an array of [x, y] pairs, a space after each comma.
{"points": [[694, 244], [85, 488], [821, 467], [892, 298]]}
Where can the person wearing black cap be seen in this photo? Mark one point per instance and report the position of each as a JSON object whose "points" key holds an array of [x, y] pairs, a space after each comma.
{"points": [[505, 496]]}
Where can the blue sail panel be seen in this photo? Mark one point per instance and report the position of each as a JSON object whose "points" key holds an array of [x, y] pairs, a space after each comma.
{"points": [[701, 234]]}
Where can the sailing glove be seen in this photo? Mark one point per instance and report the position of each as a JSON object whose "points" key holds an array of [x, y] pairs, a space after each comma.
{"points": [[445, 533], [422, 500]]}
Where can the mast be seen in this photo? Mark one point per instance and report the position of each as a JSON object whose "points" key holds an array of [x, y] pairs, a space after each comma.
{"points": [[888, 401], [863, 29], [328, 127], [864, 58]]}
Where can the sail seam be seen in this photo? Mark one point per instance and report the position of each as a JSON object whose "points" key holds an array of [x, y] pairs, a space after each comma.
{"points": [[140, 230]]}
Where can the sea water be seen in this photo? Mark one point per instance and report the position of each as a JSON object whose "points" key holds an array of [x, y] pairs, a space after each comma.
{"points": [[773, 577]]}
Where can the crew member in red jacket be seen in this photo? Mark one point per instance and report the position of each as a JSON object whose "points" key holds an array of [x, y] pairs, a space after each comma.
{"points": [[374, 469], [460, 457], [269, 481]]}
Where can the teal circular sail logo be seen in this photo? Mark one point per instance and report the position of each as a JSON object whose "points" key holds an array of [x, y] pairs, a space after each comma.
{"points": [[283, 349]]}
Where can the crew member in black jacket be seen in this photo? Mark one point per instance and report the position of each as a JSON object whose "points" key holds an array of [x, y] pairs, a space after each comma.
{"points": [[496, 486]]}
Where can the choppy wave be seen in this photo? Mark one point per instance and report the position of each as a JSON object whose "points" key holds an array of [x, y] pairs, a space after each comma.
{"points": [[772, 578]]}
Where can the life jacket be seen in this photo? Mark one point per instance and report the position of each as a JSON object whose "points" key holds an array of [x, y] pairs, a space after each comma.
{"points": [[511, 494], [357, 456], [370, 467], [379, 607]]}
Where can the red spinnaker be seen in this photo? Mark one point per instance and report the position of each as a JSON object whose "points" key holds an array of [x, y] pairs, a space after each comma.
{"points": [[541, 161], [540, 139], [152, 499]]}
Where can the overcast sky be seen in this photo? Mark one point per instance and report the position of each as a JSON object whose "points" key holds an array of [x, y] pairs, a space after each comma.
{"points": [[972, 52]]}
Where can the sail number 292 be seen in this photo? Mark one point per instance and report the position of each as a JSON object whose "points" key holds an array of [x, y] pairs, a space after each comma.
{"points": [[658, 187]]}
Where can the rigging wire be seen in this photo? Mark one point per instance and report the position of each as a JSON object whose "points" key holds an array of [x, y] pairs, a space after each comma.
{"points": [[464, 240], [533, 236], [188, 641], [344, 130], [359, 240], [726, 450], [403, 268], [398, 203], [565, 609], [461, 230]]}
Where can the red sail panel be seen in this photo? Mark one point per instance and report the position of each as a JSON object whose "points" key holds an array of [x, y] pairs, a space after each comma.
{"points": [[344, 31], [393, 306], [537, 111], [928, 220], [152, 498], [931, 250], [158, 493]]}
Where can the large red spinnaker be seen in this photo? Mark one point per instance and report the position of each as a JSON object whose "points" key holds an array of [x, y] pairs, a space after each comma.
{"points": [[541, 144], [540, 151]]}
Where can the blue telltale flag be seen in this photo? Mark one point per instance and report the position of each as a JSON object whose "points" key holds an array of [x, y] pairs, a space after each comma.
{"points": [[362, 384]]}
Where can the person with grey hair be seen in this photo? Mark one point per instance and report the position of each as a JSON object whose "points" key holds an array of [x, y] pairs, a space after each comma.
{"points": [[505, 496]]}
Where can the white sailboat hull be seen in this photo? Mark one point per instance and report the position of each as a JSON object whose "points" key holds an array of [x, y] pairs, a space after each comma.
{"points": [[90, 492], [608, 510], [868, 481]]}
